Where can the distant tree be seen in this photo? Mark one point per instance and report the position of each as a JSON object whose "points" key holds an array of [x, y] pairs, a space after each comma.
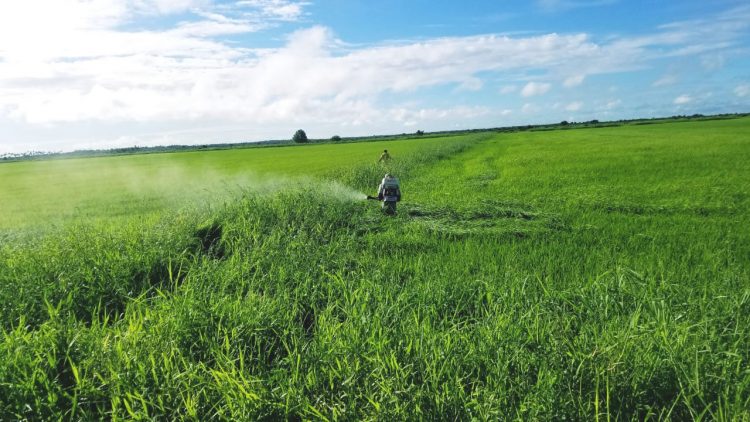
{"points": [[336, 138], [420, 132], [564, 123], [300, 137]]}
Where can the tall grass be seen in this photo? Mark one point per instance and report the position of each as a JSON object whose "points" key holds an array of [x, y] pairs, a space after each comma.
{"points": [[495, 293]]}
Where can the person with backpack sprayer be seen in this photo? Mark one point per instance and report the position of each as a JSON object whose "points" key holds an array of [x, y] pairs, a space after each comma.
{"points": [[389, 192]]}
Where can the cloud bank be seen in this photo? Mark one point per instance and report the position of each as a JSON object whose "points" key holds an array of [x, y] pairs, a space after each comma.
{"points": [[83, 61]]}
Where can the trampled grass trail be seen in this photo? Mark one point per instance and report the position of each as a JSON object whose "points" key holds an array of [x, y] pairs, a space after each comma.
{"points": [[582, 274]]}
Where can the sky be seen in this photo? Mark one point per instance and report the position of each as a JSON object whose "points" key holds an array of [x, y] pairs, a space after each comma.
{"points": [[98, 74]]}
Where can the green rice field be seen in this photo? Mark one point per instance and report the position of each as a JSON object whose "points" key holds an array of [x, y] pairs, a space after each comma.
{"points": [[581, 274]]}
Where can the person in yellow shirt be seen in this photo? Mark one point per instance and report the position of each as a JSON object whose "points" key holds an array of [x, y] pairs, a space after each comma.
{"points": [[384, 157]]}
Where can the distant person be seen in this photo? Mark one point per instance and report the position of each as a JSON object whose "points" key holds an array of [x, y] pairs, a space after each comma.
{"points": [[389, 192], [384, 157]]}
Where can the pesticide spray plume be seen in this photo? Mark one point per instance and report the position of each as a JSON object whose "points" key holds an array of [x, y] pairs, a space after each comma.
{"points": [[343, 191]]}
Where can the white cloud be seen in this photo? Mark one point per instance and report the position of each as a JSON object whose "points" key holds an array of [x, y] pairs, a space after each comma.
{"points": [[164, 6], [280, 9], [612, 104], [177, 74], [410, 116], [215, 26], [535, 88], [113, 74], [471, 84], [574, 106], [77, 63], [742, 90], [76, 29], [682, 99], [573, 81], [529, 108], [668, 79]]}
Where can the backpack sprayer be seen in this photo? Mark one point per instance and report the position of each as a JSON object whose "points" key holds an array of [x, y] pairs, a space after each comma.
{"points": [[388, 190]]}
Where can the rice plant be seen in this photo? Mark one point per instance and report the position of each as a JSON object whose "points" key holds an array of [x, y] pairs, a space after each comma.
{"points": [[577, 275]]}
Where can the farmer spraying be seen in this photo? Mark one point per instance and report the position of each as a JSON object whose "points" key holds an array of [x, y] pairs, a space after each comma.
{"points": [[389, 192], [384, 157]]}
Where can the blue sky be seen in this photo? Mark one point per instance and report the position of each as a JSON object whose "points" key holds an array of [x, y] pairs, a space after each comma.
{"points": [[78, 74]]}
